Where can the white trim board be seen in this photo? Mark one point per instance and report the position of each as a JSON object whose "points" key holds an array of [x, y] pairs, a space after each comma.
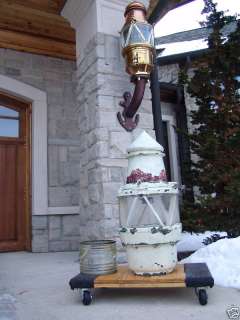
{"points": [[63, 210], [38, 99]]}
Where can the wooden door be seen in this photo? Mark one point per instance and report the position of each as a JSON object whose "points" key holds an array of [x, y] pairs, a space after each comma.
{"points": [[14, 174]]}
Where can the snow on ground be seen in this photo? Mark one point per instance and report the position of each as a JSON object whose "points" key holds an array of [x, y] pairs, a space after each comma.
{"points": [[194, 241], [223, 260]]}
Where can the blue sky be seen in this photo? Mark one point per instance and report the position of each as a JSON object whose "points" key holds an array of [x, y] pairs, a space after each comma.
{"points": [[187, 17]]}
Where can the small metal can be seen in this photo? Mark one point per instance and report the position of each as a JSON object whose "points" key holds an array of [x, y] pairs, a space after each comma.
{"points": [[98, 257]]}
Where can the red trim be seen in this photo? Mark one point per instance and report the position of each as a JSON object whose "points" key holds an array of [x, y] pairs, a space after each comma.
{"points": [[138, 175]]}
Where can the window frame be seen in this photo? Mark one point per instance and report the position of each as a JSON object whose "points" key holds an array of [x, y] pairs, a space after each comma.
{"points": [[9, 102], [172, 147]]}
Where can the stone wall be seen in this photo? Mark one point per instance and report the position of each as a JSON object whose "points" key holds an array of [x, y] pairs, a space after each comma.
{"points": [[55, 233], [101, 81], [57, 78]]}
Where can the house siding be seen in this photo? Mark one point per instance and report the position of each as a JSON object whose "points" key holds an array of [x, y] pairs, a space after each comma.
{"points": [[57, 78]]}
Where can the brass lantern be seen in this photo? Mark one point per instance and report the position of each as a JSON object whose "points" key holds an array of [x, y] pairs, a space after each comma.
{"points": [[137, 40]]}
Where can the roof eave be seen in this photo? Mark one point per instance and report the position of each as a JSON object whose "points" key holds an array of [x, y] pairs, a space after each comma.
{"points": [[158, 8]]}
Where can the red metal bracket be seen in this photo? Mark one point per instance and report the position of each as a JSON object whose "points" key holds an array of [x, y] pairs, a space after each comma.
{"points": [[130, 105]]}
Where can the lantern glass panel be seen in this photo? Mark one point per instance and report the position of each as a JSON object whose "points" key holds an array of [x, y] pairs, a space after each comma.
{"points": [[146, 210], [137, 33]]}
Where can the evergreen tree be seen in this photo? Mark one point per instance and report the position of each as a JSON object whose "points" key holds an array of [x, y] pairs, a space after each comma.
{"points": [[215, 139]]}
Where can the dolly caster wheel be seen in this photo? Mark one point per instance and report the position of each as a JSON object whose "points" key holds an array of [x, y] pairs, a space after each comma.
{"points": [[86, 297], [202, 296]]}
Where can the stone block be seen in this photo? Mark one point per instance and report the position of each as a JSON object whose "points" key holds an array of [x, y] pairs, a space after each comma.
{"points": [[39, 242], [112, 47], [115, 212], [119, 141], [75, 195], [112, 85], [53, 165], [55, 227], [110, 228], [98, 134], [59, 196], [110, 191], [106, 103], [94, 231], [55, 96], [63, 152], [39, 222], [84, 197], [74, 244], [38, 62], [40, 232], [73, 153], [33, 81], [67, 128], [100, 51], [52, 128], [68, 173], [94, 191], [54, 234], [83, 178], [146, 106], [116, 175], [12, 72], [108, 210], [107, 120], [100, 38], [59, 245], [95, 212], [55, 111], [98, 150], [54, 222], [146, 121], [84, 158], [112, 162], [16, 63], [98, 175], [70, 225]]}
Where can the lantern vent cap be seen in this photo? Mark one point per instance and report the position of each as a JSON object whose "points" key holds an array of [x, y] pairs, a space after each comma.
{"points": [[135, 5], [145, 143]]}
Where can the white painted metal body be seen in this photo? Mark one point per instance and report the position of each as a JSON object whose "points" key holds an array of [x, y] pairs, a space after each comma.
{"points": [[149, 213], [149, 250]]}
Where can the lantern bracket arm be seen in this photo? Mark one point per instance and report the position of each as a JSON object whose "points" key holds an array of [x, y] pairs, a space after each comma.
{"points": [[131, 104]]}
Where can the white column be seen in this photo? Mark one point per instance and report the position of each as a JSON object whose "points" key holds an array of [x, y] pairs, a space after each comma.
{"points": [[92, 16]]}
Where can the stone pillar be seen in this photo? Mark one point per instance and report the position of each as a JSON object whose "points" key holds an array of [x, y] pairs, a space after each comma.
{"points": [[101, 81]]}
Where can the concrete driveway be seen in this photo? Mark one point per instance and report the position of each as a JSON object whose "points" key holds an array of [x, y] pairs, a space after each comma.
{"points": [[35, 287]]}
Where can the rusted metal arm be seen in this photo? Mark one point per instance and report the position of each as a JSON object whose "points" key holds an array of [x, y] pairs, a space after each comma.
{"points": [[131, 105]]}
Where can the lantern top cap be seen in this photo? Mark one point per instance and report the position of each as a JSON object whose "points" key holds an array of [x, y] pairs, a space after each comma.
{"points": [[135, 5], [146, 143]]}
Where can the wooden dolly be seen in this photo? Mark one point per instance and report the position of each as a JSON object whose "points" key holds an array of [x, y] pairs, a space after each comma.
{"points": [[193, 275]]}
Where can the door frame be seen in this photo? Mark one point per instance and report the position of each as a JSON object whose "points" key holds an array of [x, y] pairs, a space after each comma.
{"points": [[17, 103]]}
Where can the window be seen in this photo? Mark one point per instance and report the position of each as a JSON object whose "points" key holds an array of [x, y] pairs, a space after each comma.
{"points": [[9, 122]]}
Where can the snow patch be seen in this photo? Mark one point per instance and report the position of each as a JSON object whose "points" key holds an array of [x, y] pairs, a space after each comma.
{"points": [[194, 241], [223, 260]]}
